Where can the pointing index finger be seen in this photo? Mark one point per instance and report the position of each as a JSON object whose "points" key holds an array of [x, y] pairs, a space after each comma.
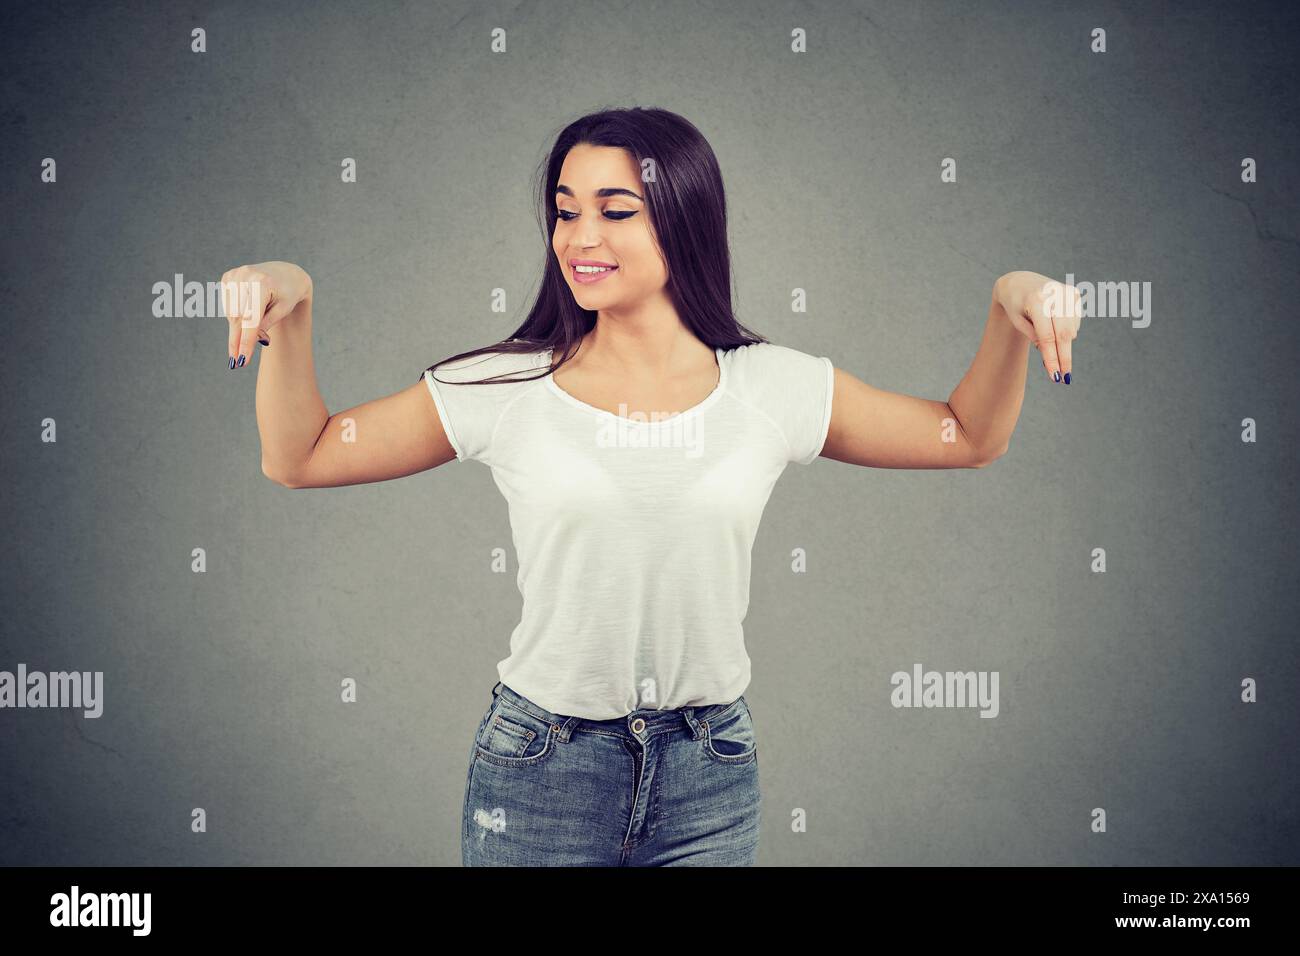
{"points": [[1045, 334]]}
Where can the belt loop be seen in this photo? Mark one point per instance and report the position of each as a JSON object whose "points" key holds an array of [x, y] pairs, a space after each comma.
{"points": [[566, 728], [688, 714], [496, 688]]}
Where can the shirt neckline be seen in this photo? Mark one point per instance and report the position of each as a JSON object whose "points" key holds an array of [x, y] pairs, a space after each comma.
{"points": [[691, 412]]}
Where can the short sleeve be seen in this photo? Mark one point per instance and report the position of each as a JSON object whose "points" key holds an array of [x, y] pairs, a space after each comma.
{"points": [[793, 389], [470, 412]]}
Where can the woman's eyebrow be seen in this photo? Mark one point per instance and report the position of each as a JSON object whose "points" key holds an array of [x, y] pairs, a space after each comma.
{"points": [[601, 193]]}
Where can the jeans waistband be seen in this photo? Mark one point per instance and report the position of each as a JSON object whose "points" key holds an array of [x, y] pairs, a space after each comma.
{"points": [[655, 721]]}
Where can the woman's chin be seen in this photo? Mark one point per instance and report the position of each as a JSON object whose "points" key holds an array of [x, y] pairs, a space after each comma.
{"points": [[592, 299]]}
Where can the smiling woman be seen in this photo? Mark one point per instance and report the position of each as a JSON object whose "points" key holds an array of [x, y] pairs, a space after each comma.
{"points": [[611, 218], [636, 430]]}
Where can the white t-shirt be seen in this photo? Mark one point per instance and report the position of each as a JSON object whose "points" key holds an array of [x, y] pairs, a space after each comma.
{"points": [[634, 537]]}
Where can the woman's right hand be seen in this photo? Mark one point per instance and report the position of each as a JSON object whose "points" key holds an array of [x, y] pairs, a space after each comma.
{"points": [[257, 297]]}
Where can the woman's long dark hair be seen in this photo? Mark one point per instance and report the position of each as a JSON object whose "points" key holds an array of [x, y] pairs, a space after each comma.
{"points": [[688, 208]]}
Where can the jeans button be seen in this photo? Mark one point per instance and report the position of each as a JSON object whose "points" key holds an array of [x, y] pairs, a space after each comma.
{"points": [[638, 725]]}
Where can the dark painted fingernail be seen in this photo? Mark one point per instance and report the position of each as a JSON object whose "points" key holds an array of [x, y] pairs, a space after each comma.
{"points": [[263, 341], [232, 363], [1056, 376], [241, 360], [1067, 378]]}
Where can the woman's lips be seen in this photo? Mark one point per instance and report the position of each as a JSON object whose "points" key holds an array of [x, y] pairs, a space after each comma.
{"points": [[586, 278]]}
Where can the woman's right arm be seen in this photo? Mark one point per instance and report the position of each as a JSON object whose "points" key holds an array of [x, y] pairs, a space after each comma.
{"points": [[303, 446]]}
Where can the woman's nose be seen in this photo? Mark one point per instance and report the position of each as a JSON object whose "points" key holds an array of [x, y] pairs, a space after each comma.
{"points": [[589, 234]]}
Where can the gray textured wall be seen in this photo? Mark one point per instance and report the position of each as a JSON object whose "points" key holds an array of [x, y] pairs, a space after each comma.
{"points": [[1119, 690]]}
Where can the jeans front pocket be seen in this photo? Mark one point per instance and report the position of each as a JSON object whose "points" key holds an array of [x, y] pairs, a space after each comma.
{"points": [[729, 735], [511, 737]]}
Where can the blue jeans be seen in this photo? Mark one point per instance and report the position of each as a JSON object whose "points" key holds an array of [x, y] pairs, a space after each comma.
{"points": [[654, 788]]}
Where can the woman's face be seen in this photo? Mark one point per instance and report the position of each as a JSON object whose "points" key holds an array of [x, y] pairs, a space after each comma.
{"points": [[602, 218]]}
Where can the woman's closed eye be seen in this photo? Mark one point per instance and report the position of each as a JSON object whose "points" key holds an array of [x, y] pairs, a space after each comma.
{"points": [[616, 214]]}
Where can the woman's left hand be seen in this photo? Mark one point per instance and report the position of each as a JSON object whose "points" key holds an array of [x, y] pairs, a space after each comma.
{"points": [[1046, 312]]}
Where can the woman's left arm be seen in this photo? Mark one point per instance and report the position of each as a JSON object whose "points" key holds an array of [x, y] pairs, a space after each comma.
{"points": [[882, 429]]}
